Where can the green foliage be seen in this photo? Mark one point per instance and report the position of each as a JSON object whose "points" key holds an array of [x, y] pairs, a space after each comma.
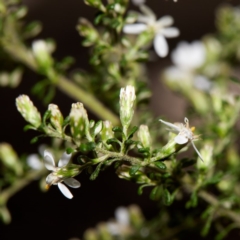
{"points": [[207, 190]]}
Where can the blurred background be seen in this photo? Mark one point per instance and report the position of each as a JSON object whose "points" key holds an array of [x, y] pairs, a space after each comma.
{"points": [[37, 215]]}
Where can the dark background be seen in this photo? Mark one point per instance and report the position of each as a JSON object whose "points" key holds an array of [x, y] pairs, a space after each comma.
{"points": [[52, 216]]}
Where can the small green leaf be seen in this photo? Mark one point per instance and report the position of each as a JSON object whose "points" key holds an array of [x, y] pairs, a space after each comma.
{"points": [[112, 140], [132, 131], [167, 198], [117, 129], [193, 200], [156, 193], [87, 147], [69, 150], [160, 165], [96, 172], [134, 169]]}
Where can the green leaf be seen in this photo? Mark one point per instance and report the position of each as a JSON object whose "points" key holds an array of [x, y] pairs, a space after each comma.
{"points": [[112, 140], [160, 165], [132, 131], [143, 150], [87, 147], [134, 169], [156, 193], [193, 200], [96, 172], [117, 129], [69, 150], [27, 127], [167, 198]]}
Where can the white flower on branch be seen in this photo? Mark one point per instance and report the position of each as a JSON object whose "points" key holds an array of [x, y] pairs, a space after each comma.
{"points": [[184, 133], [161, 28], [56, 178]]}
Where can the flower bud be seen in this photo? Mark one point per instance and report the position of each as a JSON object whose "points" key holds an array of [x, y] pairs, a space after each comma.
{"points": [[56, 117], [106, 132], [78, 120], [5, 215], [127, 98], [28, 110], [9, 158], [207, 155], [42, 54], [144, 136]]}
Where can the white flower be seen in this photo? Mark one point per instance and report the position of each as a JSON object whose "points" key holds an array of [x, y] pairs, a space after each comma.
{"points": [[121, 225], [34, 162], [184, 133], [160, 27], [54, 178], [189, 56]]}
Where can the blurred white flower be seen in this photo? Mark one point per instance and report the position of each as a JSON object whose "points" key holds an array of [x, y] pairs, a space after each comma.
{"points": [[184, 133], [189, 56], [54, 178], [34, 162], [161, 28], [121, 225]]}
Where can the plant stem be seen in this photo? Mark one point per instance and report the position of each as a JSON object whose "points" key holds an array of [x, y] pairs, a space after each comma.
{"points": [[21, 53], [19, 184]]}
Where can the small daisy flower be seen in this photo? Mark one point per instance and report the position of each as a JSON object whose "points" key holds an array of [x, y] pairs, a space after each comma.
{"points": [[55, 178], [184, 133], [187, 58], [161, 28]]}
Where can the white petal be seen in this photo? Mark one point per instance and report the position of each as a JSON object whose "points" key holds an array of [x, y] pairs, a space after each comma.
{"points": [[147, 11], [49, 161], [170, 32], [65, 191], [172, 126], [52, 179], [180, 139], [165, 21], [135, 28], [122, 215], [198, 153], [34, 162], [64, 159], [71, 182], [160, 45]]}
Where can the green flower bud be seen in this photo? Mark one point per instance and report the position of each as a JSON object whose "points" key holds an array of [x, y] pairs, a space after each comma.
{"points": [[106, 132], [28, 110], [9, 158], [42, 55], [127, 98], [5, 215], [78, 120], [56, 117], [207, 155], [86, 29], [95, 3], [144, 136]]}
